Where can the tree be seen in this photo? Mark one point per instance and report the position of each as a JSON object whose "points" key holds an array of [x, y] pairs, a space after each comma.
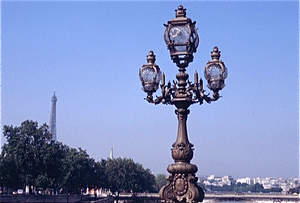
{"points": [[146, 180], [78, 169], [124, 175], [258, 187], [51, 165], [23, 150], [160, 181], [295, 190], [31, 158], [10, 174], [100, 179]]}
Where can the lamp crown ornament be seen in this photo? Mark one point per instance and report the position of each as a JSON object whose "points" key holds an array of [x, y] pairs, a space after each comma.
{"points": [[180, 12], [182, 40], [215, 54], [151, 58]]}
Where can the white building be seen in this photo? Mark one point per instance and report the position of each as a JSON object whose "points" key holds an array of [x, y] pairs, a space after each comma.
{"points": [[247, 180], [218, 181], [256, 180], [227, 179], [213, 177]]}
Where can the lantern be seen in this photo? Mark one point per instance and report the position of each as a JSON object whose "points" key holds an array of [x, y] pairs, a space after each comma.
{"points": [[215, 71], [150, 74], [181, 38]]}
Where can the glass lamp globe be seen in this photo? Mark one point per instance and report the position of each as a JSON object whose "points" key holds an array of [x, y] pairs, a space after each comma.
{"points": [[150, 74], [215, 71], [181, 37]]}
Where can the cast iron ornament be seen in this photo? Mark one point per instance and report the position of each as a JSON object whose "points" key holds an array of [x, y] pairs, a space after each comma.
{"points": [[182, 40]]}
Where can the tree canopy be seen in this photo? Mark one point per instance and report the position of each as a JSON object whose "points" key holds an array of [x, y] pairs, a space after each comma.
{"points": [[31, 158], [124, 175], [241, 188], [23, 156], [160, 180]]}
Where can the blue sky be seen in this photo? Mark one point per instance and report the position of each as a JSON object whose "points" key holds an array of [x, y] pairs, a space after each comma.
{"points": [[90, 52]]}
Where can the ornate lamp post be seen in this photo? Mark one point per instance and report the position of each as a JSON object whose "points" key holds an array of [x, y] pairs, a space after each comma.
{"points": [[182, 41]]}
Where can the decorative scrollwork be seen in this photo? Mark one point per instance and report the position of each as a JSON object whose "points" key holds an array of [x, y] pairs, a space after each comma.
{"points": [[167, 192], [194, 91], [195, 192], [182, 187], [182, 151]]}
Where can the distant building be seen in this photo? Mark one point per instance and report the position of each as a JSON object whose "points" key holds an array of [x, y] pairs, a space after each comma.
{"points": [[257, 180], [247, 180], [267, 183], [218, 181], [52, 124], [213, 177], [227, 179], [285, 188]]}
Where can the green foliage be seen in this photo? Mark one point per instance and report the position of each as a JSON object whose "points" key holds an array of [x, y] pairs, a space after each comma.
{"points": [[78, 169], [295, 190], [242, 187], [100, 178], [24, 151], [160, 181], [9, 172], [31, 158], [51, 165], [124, 175]]}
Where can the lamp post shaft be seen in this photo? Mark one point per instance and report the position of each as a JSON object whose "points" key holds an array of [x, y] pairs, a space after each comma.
{"points": [[182, 182], [182, 149], [182, 136]]}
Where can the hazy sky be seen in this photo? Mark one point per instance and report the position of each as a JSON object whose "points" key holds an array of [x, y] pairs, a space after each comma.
{"points": [[91, 52]]}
